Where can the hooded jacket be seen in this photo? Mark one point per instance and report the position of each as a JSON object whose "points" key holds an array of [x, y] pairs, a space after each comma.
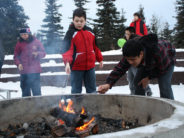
{"points": [[23, 55], [80, 49]]}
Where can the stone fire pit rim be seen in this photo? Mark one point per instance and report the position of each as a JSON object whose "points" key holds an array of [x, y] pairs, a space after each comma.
{"points": [[166, 128]]}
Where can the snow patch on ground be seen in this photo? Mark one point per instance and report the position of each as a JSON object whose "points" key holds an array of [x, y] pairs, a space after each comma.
{"points": [[49, 90]]}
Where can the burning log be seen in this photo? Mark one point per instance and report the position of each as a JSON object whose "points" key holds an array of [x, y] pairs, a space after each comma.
{"points": [[59, 131], [70, 119]]}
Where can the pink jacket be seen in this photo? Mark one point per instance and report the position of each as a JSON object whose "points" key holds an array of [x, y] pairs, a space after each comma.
{"points": [[23, 55]]}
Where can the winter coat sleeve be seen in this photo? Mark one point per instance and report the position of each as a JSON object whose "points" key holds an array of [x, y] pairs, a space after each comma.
{"points": [[41, 50], [132, 24], [118, 71], [67, 49], [17, 53], [145, 29], [98, 53]]}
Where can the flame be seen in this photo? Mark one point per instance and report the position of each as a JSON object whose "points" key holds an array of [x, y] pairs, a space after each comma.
{"points": [[86, 125], [61, 122], [68, 108], [83, 111]]}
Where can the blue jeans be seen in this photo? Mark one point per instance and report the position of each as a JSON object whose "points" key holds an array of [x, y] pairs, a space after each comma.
{"points": [[164, 82], [30, 82], [89, 78], [130, 77]]}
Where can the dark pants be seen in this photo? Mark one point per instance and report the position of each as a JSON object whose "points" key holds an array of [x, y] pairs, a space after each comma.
{"points": [[164, 82], [30, 82], [89, 78]]}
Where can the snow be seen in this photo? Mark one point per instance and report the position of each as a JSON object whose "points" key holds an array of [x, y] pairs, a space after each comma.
{"points": [[179, 50], [112, 52], [49, 90]]}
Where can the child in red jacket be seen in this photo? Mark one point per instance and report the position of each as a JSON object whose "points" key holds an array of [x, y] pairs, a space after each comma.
{"points": [[27, 55], [139, 25], [80, 53]]}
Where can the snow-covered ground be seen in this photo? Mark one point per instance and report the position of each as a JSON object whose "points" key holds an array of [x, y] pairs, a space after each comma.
{"points": [[48, 90]]}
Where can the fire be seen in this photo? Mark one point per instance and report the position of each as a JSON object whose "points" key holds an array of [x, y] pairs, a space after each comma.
{"points": [[69, 108], [85, 126], [83, 111]]}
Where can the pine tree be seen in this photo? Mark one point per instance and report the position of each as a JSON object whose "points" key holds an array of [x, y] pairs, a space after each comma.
{"points": [[141, 12], [81, 3], [155, 25], [52, 31], [120, 26], [12, 18], [107, 26], [166, 33], [179, 37]]}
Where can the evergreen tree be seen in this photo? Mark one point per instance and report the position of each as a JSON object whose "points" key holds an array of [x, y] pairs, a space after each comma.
{"points": [[141, 12], [166, 33], [81, 3], [155, 25], [179, 37], [52, 31], [120, 26], [12, 18], [107, 26]]}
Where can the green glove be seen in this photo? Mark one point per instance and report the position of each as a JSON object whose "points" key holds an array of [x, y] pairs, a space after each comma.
{"points": [[121, 42]]}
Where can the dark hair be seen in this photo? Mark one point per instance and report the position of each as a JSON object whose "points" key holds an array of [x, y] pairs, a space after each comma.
{"points": [[137, 14], [79, 13], [130, 29], [30, 39], [132, 48]]}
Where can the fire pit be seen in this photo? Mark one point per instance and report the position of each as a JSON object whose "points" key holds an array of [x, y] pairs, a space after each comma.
{"points": [[92, 115]]}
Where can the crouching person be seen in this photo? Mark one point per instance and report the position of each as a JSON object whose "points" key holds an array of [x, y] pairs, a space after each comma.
{"points": [[27, 55], [153, 58]]}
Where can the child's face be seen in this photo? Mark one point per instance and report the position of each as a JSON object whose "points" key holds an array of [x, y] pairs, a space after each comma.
{"points": [[127, 34], [136, 18], [24, 36], [135, 61], [79, 22]]}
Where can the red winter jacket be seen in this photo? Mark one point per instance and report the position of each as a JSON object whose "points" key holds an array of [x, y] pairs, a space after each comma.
{"points": [[23, 55], [140, 27], [80, 50]]}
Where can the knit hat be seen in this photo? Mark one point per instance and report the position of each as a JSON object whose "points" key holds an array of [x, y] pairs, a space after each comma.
{"points": [[25, 30]]}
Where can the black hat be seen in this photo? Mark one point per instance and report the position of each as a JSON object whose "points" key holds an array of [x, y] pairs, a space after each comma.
{"points": [[25, 30]]}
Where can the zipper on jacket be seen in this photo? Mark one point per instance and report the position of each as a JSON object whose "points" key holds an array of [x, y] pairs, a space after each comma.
{"points": [[85, 47]]}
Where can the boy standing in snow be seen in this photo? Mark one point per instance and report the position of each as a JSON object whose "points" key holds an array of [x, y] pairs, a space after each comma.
{"points": [[153, 58], [27, 55], [139, 25], [80, 53]]}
